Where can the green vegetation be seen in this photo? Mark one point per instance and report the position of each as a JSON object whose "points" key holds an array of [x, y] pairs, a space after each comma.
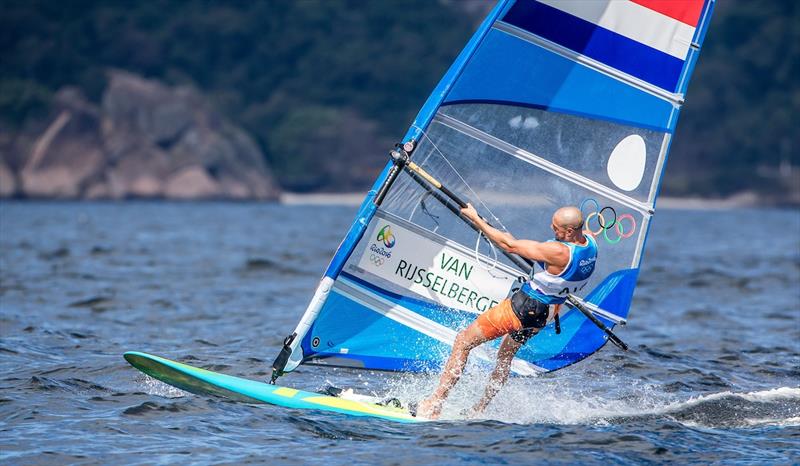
{"points": [[292, 72], [738, 129]]}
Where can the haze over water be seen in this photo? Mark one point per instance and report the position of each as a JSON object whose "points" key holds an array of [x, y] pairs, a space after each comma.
{"points": [[713, 374]]}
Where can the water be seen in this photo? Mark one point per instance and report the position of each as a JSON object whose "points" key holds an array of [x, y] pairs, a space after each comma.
{"points": [[713, 374]]}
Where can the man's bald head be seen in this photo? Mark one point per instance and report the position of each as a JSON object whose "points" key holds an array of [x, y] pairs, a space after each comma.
{"points": [[568, 217], [568, 224]]}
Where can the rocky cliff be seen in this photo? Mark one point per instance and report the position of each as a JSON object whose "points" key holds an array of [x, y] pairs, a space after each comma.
{"points": [[145, 140]]}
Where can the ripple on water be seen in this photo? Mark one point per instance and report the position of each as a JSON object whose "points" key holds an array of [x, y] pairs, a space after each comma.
{"points": [[71, 385], [192, 282], [152, 407]]}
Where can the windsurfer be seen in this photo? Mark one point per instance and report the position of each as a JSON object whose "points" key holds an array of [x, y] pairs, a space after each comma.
{"points": [[568, 261]]}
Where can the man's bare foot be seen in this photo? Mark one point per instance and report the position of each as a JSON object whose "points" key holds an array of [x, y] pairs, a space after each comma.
{"points": [[429, 408]]}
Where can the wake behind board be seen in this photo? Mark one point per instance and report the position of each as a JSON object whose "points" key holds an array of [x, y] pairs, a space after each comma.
{"points": [[205, 382]]}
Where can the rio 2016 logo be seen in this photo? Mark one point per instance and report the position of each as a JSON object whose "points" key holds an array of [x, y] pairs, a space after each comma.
{"points": [[386, 236], [378, 255]]}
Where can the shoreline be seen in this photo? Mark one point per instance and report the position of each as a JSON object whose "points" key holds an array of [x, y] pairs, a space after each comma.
{"points": [[738, 201], [354, 199]]}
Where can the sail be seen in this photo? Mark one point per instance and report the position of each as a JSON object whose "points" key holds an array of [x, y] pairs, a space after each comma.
{"points": [[551, 103]]}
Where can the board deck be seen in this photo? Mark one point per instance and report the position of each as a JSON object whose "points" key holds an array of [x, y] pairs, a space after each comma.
{"points": [[204, 382]]}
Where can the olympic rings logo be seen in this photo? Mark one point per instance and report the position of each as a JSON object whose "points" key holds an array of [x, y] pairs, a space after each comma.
{"points": [[606, 219], [386, 236], [377, 260]]}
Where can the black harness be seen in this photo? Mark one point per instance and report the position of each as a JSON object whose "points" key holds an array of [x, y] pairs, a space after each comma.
{"points": [[531, 312]]}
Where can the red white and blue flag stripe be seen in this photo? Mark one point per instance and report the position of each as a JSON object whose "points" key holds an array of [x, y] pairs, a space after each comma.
{"points": [[647, 39]]}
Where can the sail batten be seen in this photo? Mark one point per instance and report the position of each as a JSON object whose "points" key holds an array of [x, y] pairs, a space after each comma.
{"points": [[542, 163], [674, 98]]}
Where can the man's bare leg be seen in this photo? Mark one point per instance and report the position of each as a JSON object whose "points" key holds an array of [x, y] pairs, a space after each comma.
{"points": [[466, 340], [508, 349]]}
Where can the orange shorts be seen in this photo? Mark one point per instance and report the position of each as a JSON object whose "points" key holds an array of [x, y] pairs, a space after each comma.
{"points": [[498, 321]]}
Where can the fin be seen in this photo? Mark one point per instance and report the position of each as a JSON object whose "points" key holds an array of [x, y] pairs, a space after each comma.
{"points": [[330, 390], [393, 402]]}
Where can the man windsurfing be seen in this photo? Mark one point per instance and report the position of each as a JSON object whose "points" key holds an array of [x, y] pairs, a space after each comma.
{"points": [[568, 262]]}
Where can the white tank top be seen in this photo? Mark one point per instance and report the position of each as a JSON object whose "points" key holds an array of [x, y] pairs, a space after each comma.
{"points": [[553, 289]]}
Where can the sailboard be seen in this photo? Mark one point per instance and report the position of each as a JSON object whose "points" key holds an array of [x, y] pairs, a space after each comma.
{"points": [[204, 382], [551, 103]]}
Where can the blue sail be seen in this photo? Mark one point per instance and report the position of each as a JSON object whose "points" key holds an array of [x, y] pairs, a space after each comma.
{"points": [[551, 103]]}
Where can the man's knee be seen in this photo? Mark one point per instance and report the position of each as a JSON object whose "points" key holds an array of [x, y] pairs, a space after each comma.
{"points": [[461, 339], [469, 338]]}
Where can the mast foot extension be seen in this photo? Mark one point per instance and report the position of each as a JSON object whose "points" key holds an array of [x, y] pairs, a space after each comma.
{"points": [[283, 357]]}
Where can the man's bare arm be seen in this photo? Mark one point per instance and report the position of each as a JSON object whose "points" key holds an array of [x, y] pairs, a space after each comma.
{"points": [[552, 253], [500, 238]]}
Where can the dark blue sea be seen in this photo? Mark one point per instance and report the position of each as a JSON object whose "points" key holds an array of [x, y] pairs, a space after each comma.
{"points": [[712, 376]]}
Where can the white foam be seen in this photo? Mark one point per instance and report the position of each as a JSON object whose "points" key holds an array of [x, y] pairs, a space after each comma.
{"points": [[156, 387], [569, 400], [789, 422], [762, 396], [556, 403], [774, 394]]}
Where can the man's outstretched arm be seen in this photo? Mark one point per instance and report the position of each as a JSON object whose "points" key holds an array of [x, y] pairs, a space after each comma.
{"points": [[552, 253], [503, 239]]}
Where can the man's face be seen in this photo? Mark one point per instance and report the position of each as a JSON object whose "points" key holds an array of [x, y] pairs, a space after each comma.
{"points": [[560, 232]]}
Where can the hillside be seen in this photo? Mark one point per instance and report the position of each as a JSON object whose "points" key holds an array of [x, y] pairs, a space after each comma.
{"points": [[325, 87]]}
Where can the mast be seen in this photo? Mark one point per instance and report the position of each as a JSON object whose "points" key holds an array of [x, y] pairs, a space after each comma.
{"points": [[290, 357]]}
